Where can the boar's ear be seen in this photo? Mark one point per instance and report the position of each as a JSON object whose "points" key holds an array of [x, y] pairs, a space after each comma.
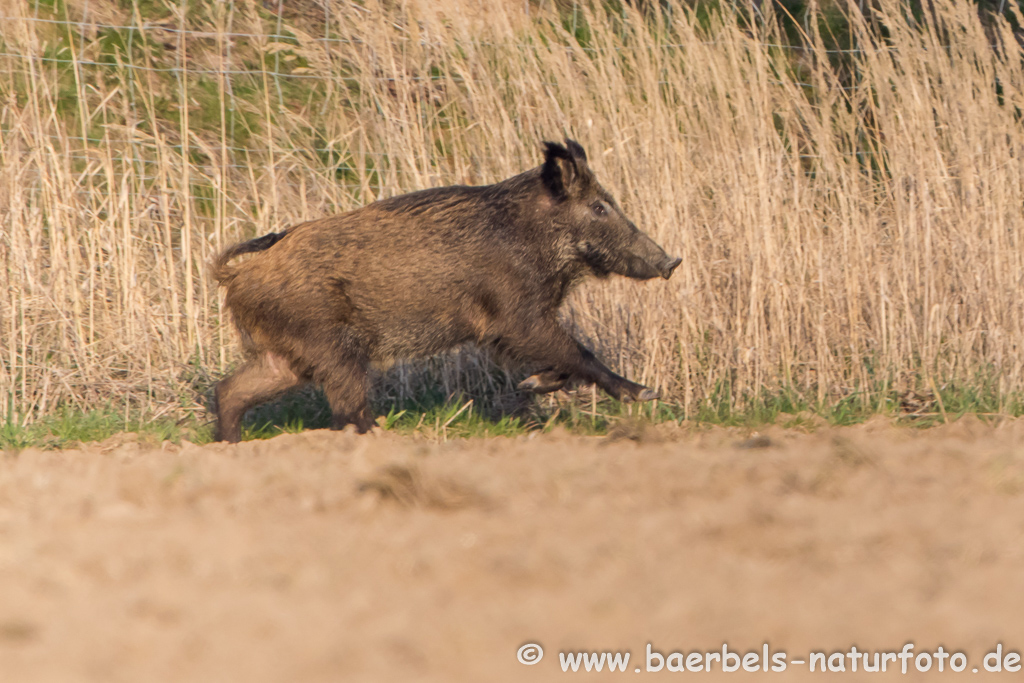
{"points": [[562, 168], [576, 150]]}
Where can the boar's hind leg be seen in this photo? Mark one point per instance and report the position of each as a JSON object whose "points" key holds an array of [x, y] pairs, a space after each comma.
{"points": [[345, 385], [258, 380]]}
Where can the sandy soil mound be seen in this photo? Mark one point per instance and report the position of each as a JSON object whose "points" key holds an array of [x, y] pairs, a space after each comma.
{"points": [[330, 557]]}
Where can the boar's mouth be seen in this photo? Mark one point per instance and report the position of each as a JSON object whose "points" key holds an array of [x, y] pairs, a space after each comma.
{"points": [[645, 261], [642, 269], [639, 269]]}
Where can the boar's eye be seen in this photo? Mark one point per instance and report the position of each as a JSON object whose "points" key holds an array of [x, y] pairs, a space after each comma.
{"points": [[599, 209]]}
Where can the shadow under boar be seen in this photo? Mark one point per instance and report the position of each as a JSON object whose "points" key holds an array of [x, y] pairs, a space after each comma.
{"points": [[415, 275]]}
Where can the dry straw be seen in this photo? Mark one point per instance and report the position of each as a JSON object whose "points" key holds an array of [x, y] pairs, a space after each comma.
{"points": [[842, 229]]}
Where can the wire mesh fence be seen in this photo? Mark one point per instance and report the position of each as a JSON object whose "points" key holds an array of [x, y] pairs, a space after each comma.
{"points": [[220, 64]]}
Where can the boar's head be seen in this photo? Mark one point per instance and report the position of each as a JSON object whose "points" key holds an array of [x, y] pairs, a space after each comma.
{"points": [[596, 232]]}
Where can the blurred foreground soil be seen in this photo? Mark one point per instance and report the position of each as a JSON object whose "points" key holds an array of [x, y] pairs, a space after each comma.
{"points": [[325, 556]]}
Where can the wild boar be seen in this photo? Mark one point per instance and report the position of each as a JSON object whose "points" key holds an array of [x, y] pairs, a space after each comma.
{"points": [[418, 274]]}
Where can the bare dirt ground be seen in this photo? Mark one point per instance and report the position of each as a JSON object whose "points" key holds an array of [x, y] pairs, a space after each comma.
{"points": [[330, 557]]}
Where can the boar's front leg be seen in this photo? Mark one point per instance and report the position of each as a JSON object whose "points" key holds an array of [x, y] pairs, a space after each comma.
{"points": [[547, 342], [618, 387]]}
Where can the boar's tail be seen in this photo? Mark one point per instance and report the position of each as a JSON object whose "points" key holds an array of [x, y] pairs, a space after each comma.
{"points": [[220, 269]]}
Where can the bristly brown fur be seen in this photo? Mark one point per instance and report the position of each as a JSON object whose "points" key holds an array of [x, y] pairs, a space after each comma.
{"points": [[421, 273]]}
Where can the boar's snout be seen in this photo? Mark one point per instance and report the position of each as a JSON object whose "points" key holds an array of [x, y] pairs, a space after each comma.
{"points": [[650, 260], [668, 266]]}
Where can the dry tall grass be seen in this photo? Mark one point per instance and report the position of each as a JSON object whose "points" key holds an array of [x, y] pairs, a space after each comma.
{"points": [[836, 236]]}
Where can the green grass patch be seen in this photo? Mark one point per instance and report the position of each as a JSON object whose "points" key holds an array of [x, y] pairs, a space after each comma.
{"points": [[69, 428], [444, 418]]}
